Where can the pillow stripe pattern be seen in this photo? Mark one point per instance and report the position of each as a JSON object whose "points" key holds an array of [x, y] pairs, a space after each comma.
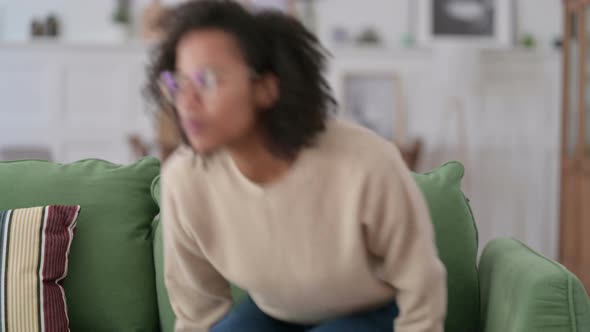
{"points": [[34, 248]]}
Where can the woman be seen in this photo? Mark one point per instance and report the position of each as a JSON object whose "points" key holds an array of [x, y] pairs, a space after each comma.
{"points": [[317, 219]]}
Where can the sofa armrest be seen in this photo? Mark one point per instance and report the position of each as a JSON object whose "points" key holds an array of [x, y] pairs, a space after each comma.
{"points": [[522, 291]]}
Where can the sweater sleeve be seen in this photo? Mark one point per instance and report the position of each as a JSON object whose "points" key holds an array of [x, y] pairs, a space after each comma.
{"points": [[400, 238], [199, 295]]}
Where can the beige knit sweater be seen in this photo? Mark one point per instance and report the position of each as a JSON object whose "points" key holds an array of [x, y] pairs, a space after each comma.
{"points": [[345, 230]]}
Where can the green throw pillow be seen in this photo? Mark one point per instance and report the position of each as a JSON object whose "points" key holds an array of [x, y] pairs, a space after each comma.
{"points": [[456, 239], [111, 280]]}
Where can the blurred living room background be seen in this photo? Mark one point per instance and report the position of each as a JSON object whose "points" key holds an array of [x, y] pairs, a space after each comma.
{"points": [[478, 81]]}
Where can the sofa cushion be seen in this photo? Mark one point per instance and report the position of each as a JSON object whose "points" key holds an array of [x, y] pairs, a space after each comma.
{"points": [[110, 284], [34, 247], [456, 239]]}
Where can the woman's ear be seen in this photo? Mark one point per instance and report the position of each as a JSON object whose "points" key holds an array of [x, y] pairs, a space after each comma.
{"points": [[266, 91]]}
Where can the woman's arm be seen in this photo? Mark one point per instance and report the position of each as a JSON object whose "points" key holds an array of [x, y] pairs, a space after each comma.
{"points": [[199, 295], [401, 238]]}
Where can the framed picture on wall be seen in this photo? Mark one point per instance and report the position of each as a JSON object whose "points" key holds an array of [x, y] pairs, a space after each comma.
{"points": [[487, 23], [376, 101]]}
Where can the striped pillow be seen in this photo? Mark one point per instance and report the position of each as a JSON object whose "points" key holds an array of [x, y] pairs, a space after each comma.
{"points": [[34, 248]]}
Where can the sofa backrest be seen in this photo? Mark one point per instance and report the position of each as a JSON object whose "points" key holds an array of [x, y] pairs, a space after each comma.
{"points": [[456, 238], [110, 284]]}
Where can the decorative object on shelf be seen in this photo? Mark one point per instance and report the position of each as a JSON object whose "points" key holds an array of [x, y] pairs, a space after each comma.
{"points": [[122, 12], [557, 42], [340, 36], [528, 41], [37, 28], [369, 37], [376, 101], [480, 22], [153, 21], [408, 40], [52, 26], [121, 19]]}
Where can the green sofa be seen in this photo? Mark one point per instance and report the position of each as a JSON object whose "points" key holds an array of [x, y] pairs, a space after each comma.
{"points": [[115, 277]]}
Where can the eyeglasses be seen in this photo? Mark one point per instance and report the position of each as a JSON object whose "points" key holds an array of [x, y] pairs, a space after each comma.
{"points": [[203, 82], [175, 85]]}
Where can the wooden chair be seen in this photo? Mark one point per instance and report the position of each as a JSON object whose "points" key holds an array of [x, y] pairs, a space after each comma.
{"points": [[412, 154]]}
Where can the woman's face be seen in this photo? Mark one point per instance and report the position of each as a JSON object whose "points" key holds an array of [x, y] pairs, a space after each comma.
{"points": [[216, 97]]}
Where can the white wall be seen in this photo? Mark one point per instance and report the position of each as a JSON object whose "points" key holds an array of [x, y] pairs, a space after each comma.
{"points": [[90, 20]]}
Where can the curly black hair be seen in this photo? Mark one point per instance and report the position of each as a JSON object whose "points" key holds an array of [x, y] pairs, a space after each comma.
{"points": [[271, 42]]}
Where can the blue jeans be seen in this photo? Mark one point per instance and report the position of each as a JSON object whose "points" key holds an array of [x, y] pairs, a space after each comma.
{"points": [[247, 317]]}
